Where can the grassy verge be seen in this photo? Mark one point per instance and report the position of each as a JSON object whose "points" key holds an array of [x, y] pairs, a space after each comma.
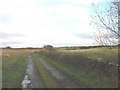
{"points": [[0, 79], [13, 69], [89, 78], [48, 79]]}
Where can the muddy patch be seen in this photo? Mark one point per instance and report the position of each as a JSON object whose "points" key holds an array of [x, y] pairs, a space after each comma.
{"points": [[32, 78]]}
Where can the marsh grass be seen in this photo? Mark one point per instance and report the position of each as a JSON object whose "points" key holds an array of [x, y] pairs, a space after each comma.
{"points": [[89, 71], [107, 54]]}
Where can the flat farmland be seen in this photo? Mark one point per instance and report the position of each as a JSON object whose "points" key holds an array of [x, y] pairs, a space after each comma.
{"points": [[61, 68]]}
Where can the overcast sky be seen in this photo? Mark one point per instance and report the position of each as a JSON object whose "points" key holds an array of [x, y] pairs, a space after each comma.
{"points": [[34, 23]]}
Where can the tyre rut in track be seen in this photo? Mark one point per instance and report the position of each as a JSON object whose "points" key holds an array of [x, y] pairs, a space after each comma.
{"points": [[35, 78], [63, 80]]}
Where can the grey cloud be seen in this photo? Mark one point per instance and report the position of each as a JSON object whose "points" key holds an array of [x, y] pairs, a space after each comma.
{"points": [[82, 35], [10, 35], [10, 43]]}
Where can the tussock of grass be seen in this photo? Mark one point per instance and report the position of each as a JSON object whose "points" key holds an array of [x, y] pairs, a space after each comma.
{"points": [[49, 81]]}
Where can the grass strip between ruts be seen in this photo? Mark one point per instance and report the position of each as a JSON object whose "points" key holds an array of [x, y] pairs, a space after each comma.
{"points": [[47, 78]]}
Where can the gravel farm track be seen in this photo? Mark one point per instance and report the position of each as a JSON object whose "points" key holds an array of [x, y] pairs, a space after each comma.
{"points": [[32, 69], [63, 80]]}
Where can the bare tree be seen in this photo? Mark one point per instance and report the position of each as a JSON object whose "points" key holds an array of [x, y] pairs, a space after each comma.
{"points": [[106, 19]]}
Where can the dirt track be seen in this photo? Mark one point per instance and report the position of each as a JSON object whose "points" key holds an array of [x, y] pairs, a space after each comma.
{"points": [[35, 79], [63, 80]]}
